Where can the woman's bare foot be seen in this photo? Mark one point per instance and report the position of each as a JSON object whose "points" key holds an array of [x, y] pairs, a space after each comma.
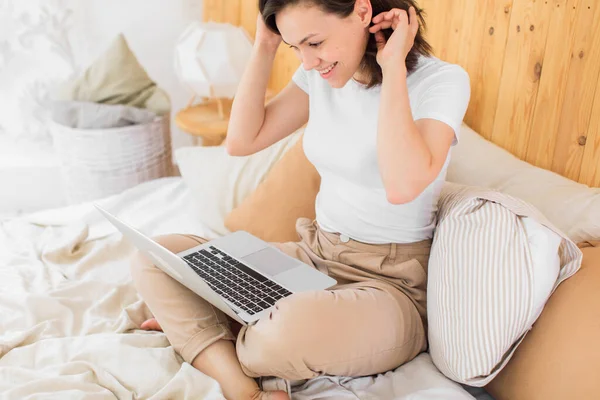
{"points": [[151, 325], [256, 394], [278, 395]]}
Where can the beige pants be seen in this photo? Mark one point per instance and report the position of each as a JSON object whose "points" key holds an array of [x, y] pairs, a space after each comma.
{"points": [[371, 322]]}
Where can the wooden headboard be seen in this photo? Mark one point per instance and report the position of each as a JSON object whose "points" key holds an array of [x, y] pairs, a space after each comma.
{"points": [[534, 68]]}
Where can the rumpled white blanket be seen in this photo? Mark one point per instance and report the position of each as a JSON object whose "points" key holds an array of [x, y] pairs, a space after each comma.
{"points": [[69, 315]]}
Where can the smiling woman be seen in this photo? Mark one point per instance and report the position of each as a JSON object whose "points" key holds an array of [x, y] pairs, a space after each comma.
{"points": [[382, 115], [381, 150], [521, 100], [359, 52]]}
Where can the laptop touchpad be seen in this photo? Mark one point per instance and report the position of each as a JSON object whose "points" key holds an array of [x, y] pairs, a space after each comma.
{"points": [[270, 261]]}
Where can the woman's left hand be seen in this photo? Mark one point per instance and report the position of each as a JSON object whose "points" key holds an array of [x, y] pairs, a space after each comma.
{"points": [[405, 26]]}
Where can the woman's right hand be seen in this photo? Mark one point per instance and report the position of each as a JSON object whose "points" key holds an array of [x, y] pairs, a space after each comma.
{"points": [[266, 37]]}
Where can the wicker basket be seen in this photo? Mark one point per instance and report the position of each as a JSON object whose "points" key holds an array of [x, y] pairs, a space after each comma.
{"points": [[101, 162]]}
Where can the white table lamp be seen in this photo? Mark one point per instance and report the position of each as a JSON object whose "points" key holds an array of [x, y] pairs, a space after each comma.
{"points": [[210, 59]]}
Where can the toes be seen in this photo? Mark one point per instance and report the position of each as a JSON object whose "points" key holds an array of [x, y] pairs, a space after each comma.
{"points": [[151, 325], [278, 395]]}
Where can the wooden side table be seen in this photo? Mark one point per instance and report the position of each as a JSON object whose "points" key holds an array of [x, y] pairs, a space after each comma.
{"points": [[209, 119], [206, 121]]}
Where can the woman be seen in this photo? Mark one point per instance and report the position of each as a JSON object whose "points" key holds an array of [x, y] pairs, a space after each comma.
{"points": [[382, 116]]}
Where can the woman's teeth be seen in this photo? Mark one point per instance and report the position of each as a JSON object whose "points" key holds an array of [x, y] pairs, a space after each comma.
{"points": [[328, 70]]}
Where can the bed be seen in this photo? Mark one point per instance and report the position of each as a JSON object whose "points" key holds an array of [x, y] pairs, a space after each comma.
{"points": [[69, 313], [28, 170]]}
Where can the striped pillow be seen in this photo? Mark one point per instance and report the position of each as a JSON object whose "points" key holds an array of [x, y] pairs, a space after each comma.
{"points": [[482, 280]]}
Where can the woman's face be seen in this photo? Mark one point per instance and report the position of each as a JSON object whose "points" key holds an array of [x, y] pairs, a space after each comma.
{"points": [[325, 42]]}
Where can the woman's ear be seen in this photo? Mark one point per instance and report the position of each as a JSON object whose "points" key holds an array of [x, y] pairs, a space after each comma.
{"points": [[364, 11]]}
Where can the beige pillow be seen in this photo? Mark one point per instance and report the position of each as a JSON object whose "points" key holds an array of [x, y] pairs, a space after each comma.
{"points": [[117, 77], [219, 182], [489, 277], [560, 358], [288, 193], [572, 207]]}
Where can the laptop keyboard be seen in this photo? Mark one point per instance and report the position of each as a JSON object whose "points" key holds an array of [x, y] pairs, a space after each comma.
{"points": [[235, 281]]}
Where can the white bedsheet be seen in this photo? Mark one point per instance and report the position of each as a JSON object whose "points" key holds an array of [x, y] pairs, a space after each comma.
{"points": [[69, 314], [30, 177]]}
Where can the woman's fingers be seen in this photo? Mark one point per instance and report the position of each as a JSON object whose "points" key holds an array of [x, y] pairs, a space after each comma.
{"points": [[393, 13], [413, 20], [379, 40], [386, 15], [392, 18], [380, 26]]}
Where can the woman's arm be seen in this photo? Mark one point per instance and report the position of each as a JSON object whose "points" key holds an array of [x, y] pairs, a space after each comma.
{"points": [[248, 109], [252, 126], [410, 154]]}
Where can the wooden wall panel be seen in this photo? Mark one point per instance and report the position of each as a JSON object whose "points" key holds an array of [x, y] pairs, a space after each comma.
{"points": [[286, 63], [459, 33], [553, 84], [222, 11], [463, 44], [534, 68], [450, 25], [590, 169], [582, 83], [437, 25], [486, 60], [249, 12], [434, 22], [522, 69]]}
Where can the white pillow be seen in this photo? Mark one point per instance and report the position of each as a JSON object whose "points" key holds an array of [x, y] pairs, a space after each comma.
{"points": [[495, 260], [574, 208], [220, 182], [544, 247]]}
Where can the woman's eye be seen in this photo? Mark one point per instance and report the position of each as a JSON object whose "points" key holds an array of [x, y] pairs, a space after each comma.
{"points": [[315, 44]]}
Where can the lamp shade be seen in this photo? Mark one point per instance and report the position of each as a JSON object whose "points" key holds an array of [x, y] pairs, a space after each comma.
{"points": [[210, 58]]}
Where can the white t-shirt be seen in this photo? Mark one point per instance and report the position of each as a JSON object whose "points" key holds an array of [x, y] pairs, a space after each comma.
{"points": [[340, 141]]}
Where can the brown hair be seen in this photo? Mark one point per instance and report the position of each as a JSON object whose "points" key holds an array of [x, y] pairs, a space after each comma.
{"points": [[343, 8]]}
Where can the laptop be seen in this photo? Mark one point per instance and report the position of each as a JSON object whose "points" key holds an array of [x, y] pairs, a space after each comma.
{"points": [[240, 274]]}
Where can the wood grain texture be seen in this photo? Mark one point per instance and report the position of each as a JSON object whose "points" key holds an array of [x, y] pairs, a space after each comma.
{"points": [[452, 36], [248, 14], [553, 83], [534, 67], [286, 63], [231, 11], [486, 59], [435, 24], [222, 11], [590, 169], [523, 62], [582, 83]]}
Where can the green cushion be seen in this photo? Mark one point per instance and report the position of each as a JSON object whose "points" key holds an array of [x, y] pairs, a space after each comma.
{"points": [[117, 77]]}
